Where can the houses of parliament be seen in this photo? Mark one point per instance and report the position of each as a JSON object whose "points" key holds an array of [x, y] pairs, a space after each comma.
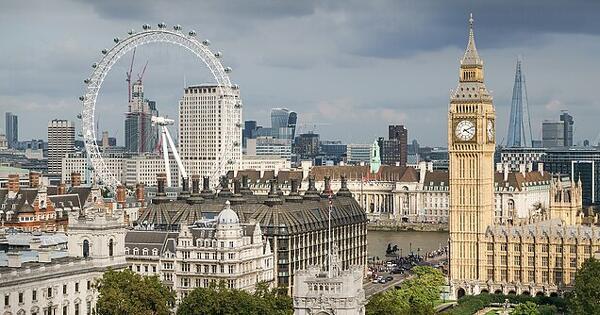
{"points": [[538, 256]]}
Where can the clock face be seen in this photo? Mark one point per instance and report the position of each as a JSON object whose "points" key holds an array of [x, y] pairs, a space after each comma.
{"points": [[490, 130], [465, 130]]}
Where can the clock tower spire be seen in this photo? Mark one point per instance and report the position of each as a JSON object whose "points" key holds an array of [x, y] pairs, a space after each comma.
{"points": [[471, 144]]}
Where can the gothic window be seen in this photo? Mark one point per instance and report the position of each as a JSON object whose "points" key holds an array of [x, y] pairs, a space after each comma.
{"points": [[86, 248], [110, 248]]}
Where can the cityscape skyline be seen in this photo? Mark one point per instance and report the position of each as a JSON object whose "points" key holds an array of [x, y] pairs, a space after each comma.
{"points": [[279, 71]]}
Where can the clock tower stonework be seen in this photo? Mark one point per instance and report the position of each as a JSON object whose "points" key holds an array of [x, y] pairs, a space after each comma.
{"points": [[471, 145]]}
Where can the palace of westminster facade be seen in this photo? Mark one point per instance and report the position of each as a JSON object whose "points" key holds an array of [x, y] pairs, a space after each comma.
{"points": [[538, 256]]}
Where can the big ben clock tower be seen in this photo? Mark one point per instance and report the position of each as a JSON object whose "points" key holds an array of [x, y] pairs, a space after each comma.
{"points": [[471, 144]]}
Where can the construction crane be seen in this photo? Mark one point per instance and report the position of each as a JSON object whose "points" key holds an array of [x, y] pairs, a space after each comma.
{"points": [[309, 127], [141, 76], [128, 74]]}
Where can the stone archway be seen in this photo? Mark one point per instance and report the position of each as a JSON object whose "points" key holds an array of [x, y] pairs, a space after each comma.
{"points": [[554, 294], [498, 292], [539, 293], [512, 292], [485, 291], [460, 293], [526, 293]]}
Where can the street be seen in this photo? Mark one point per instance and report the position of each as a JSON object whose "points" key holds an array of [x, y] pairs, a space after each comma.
{"points": [[374, 288]]}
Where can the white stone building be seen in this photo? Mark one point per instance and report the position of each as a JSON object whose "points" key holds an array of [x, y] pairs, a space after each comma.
{"points": [[209, 251], [39, 279], [61, 142], [201, 131]]}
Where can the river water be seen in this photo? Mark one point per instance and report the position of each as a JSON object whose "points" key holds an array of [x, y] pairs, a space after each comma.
{"points": [[426, 241]]}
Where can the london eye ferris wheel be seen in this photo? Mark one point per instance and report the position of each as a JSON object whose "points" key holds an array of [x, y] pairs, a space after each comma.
{"points": [[230, 107]]}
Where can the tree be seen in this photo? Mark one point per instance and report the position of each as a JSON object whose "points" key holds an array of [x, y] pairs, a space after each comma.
{"points": [[218, 299], [416, 296], [585, 297], [125, 292], [527, 308]]}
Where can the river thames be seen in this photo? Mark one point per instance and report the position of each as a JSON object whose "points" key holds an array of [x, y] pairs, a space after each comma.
{"points": [[426, 241]]}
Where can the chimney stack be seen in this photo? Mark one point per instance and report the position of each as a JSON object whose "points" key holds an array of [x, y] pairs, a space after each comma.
{"points": [[62, 189], [505, 173], [75, 179], [195, 185], [121, 195], [44, 255], [161, 179], [139, 192], [541, 168], [14, 260], [522, 168], [34, 179], [327, 189], [13, 183]]}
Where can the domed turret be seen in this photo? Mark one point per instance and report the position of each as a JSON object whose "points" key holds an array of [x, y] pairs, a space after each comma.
{"points": [[227, 215]]}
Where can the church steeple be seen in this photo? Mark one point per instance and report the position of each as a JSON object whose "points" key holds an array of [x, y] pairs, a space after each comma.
{"points": [[471, 56]]}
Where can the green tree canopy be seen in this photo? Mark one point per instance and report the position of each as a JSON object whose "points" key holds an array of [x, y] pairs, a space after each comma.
{"points": [[125, 292], [527, 308], [585, 297], [220, 300], [416, 295]]}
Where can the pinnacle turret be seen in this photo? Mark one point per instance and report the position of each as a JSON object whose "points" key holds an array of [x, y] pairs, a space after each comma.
{"points": [[471, 56]]}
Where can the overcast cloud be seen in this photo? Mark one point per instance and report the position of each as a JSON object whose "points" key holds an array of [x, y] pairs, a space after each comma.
{"points": [[349, 67]]}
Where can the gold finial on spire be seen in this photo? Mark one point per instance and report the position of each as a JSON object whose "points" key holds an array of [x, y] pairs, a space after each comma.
{"points": [[471, 20]]}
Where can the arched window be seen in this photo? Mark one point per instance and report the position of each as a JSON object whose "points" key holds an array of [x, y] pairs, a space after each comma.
{"points": [[86, 248], [110, 248]]}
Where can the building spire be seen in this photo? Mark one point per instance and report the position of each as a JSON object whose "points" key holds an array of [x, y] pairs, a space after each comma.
{"points": [[471, 56]]}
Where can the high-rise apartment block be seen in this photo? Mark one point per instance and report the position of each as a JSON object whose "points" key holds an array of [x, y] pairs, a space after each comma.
{"points": [[201, 128], [394, 150], [12, 130], [140, 134]]}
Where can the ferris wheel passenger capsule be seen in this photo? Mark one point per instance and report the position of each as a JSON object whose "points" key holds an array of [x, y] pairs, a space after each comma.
{"points": [[146, 27], [162, 25], [131, 32], [116, 40], [82, 98], [192, 33], [94, 65], [104, 51], [218, 54], [177, 27], [206, 42], [86, 81], [228, 69], [235, 87]]}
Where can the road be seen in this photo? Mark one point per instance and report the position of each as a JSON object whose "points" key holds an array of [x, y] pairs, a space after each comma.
{"points": [[374, 288]]}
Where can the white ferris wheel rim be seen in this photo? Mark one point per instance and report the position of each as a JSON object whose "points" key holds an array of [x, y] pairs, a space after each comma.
{"points": [[231, 117]]}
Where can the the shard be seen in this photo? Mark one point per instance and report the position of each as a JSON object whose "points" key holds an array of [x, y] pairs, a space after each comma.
{"points": [[519, 127]]}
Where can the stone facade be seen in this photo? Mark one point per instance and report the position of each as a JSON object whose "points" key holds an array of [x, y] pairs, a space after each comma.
{"points": [[207, 252]]}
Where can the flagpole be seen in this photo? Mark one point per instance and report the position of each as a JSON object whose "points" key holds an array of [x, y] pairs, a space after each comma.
{"points": [[329, 237]]}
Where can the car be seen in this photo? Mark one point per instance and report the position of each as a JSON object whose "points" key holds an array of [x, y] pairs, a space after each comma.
{"points": [[389, 278], [382, 281], [375, 281], [397, 271], [379, 277]]}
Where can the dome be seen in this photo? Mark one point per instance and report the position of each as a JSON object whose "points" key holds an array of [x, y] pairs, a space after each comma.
{"points": [[227, 215]]}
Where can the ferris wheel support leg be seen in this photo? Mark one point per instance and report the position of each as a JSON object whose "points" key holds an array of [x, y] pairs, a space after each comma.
{"points": [[182, 171], [166, 156]]}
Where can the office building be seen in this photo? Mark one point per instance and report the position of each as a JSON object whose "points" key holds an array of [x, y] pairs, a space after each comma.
{"points": [[568, 122], [12, 130], [517, 156], [358, 153], [201, 130], [306, 145], [283, 123], [249, 131], [519, 126], [553, 134], [61, 142], [334, 151], [204, 253], [400, 134], [270, 146], [579, 164], [295, 225]]}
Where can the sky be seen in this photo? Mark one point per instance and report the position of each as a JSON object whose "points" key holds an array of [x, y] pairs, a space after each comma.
{"points": [[349, 68]]}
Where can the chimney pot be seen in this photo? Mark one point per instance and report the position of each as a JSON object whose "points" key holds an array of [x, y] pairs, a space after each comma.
{"points": [[14, 260]]}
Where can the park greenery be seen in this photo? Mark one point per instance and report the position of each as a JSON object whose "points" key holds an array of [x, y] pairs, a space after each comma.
{"points": [[220, 300], [125, 292], [585, 296], [417, 295]]}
